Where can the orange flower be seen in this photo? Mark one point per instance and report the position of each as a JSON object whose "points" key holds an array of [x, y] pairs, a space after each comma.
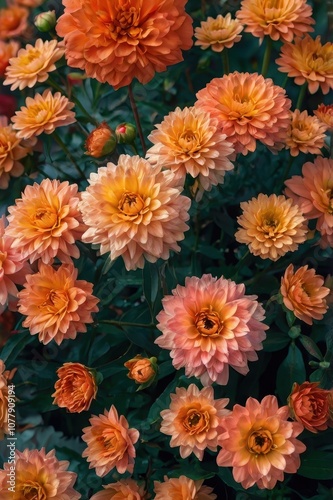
{"points": [[12, 150], [193, 420], [7, 50], [325, 115], [142, 370], [33, 64], [259, 443], [271, 226], [134, 210], [125, 39], [249, 108], [13, 22], [43, 113], [303, 293], [308, 61], [75, 388], [283, 20], [125, 489], [38, 475], [182, 488], [306, 134], [46, 221], [110, 443], [222, 32], [101, 141], [310, 406], [56, 304]]}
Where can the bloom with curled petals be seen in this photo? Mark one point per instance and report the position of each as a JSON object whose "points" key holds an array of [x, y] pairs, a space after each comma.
{"points": [[303, 293], [46, 221], [308, 61], [57, 305], [193, 420], [281, 20], [12, 150], [189, 141], [210, 324], [306, 134], [134, 210], [218, 33], [259, 443], [325, 114], [271, 226], [249, 108], [33, 64], [110, 443], [117, 41], [13, 21], [182, 488], [125, 489], [39, 475], [7, 50]]}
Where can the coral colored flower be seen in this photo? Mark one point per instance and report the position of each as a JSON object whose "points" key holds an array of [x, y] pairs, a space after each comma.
{"points": [[193, 420], [12, 150], [57, 305], [308, 61], [325, 115], [142, 370], [182, 488], [189, 141], [306, 134], [43, 114], [75, 388], [7, 50], [117, 42], [210, 324], [218, 33], [249, 108], [33, 64], [271, 226], [13, 22], [134, 210], [101, 141], [29, 3], [46, 221], [39, 475], [281, 20], [259, 443], [125, 489], [309, 405], [110, 443], [303, 293]]}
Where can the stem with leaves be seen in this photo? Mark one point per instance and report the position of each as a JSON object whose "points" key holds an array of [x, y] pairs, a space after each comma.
{"points": [[137, 118]]}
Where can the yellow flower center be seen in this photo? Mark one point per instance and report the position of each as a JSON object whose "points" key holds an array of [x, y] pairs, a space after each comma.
{"points": [[30, 56], [260, 442], [208, 322], [33, 491], [131, 204], [242, 106], [56, 302], [3, 256], [44, 218], [40, 113], [195, 421], [188, 142]]}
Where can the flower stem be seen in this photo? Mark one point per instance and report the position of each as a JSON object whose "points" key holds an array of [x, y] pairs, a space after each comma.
{"points": [[301, 95], [267, 56], [126, 323], [137, 118], [225, 60], [68, 153]]}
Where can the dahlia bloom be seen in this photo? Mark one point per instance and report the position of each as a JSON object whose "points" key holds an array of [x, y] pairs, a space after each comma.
{"points": [[13, 22], [303, 293], [57, 305], [33, 64], [193, 420], [75, 388], [218, 33], [110, 443], [182, 488], [249, 108], [39, 475], [43, 114], [282, 20], [325, 115], [134, 210], [308, 61], [46, 221], [125, 489], [210, 324], [306, 134], [117, 42], [7, 50], [12, 150], [271, 226], [259, 443]]}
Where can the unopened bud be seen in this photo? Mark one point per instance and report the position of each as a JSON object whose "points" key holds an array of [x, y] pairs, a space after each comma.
{"points": [[45, 21], [101, 141], [142, 370], [126, 133]]}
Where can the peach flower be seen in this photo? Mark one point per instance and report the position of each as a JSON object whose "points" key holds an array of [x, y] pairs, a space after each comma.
{"points": [[125, 489], [218, 33], [308, 61], [39, 475], [117, 42], [310, 405], [271, 226], [13, 22], [182, 488], [325, 115], [142, 370], [33, 64], [282, 20], [306, 134], [193, 420], [7, 50], [12, 150], [101, 141], [210, 324], [303, 293], [135, 211], [259, 443], [249, 108], [46, 221], [57, 305], [110, 443], [75, 388]]}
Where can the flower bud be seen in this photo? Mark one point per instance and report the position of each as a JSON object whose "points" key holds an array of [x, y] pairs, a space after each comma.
{"points": [[101, 141], [142, 370], [311, 406], [126, 133], [45, 21]]}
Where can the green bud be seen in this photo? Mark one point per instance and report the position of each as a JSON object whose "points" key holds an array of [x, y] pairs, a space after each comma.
{"points": [[45, 21], [126, 133]]}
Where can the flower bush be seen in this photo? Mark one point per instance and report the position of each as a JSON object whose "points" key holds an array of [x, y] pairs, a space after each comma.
{"points": [[166, 245]]}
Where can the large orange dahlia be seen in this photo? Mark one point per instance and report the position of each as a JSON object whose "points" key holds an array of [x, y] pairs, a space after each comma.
{"points": [[182, 488], [117, 41], [13, 21]]}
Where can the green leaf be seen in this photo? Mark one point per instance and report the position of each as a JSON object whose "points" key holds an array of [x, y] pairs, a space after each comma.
{"points": [[316, 464], [275, 341], [15, 345], [311, 347], [291, 370]]}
